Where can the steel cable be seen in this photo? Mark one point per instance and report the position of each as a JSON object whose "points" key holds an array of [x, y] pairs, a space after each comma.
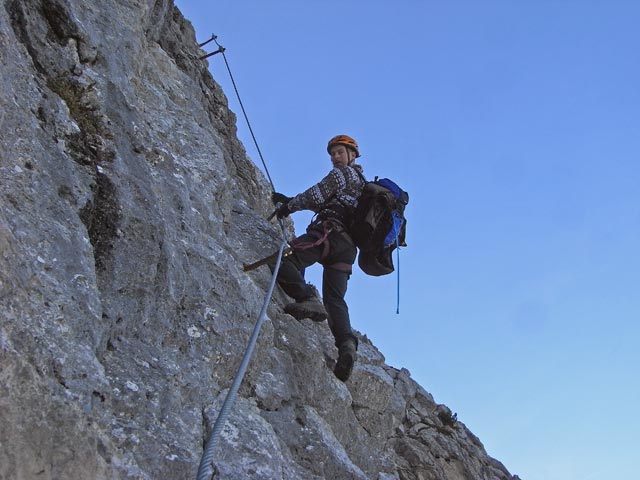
{"points": [[206, 468]]}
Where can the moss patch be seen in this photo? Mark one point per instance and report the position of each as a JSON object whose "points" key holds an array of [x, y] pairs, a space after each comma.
{"points": [[101, 216], [89, 146]]}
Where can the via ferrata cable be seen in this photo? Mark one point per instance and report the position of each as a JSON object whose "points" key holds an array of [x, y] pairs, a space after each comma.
{"points": [[206, 468]]}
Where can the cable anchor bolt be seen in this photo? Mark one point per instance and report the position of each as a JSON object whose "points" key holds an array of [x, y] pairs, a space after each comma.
{"points": [[213, 37], [219, 50]]}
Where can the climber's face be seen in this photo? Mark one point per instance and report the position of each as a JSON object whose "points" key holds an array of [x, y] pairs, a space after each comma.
{"points": [[341, 156]]}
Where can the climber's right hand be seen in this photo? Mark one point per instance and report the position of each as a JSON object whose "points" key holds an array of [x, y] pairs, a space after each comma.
{"points": [[277, 198], [283, 211]]}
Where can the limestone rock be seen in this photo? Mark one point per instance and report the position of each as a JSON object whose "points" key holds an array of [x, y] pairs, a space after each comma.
{"points": [[128, 208]]}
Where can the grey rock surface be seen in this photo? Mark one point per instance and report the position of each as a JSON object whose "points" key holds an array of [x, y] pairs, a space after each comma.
{"points": [[128, 208]]}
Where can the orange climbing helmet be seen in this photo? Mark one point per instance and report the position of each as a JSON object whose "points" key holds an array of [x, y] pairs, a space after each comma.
{"points": [[345, 140]]}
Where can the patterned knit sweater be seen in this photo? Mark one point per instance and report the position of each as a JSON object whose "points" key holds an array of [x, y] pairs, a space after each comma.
{"points": [[335, 196]]}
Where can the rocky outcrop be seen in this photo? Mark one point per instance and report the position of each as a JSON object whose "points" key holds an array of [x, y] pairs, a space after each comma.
{"points": [[128, 209]]}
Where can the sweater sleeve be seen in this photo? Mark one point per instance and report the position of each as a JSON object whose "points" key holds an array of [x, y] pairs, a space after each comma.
{"points": [[316, 196]]}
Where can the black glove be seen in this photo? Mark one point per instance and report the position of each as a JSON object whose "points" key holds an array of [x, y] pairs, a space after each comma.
{"points": [[280, 198], [283, 211]]}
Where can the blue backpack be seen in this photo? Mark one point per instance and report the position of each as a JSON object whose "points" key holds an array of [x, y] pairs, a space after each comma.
{"points": [[379, 225]]}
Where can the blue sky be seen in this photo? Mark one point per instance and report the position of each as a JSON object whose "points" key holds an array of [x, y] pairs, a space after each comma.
{"points": [[515, 128]]}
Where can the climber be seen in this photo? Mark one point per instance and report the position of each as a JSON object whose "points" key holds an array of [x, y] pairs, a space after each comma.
{"points": [[327, 242]]}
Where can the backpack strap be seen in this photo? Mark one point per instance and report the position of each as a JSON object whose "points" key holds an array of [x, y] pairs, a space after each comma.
{"points": [[361, 175]]}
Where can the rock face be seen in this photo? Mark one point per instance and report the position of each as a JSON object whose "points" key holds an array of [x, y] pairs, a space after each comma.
{"points": [[128, 210]]}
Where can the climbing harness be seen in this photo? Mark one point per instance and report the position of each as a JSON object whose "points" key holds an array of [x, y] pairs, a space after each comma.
{"points": [[321, 238], [206, 468]]}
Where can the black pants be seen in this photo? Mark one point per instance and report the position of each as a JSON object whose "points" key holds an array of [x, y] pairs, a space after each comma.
{"points": [[337, 270]]}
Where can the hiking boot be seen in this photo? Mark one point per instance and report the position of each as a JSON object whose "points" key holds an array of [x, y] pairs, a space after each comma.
{"points": [[310, 307], [346, 359]]}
